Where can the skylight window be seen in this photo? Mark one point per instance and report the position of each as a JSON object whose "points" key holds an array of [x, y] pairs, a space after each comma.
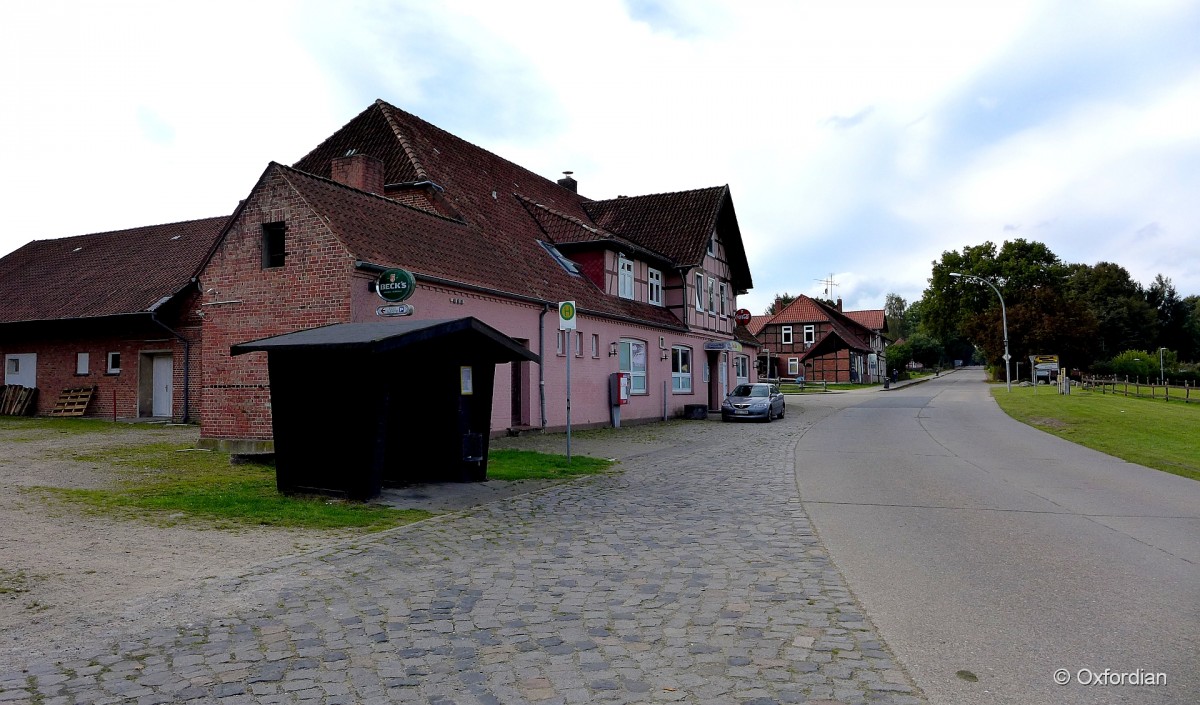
{"points": [[571, 267]]}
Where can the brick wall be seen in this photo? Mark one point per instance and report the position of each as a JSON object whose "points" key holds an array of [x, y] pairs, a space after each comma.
{"points": [[244, 301], [116, 391]]}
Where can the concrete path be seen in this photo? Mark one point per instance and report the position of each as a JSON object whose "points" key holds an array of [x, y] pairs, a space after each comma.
{"points": [[693, 575], [984, 549]]}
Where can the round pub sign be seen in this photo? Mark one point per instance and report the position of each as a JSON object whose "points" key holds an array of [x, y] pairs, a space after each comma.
{"points": [[395, 285]]}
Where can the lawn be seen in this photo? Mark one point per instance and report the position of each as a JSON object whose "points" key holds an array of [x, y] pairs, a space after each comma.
{"points": [[168, 481], [1150, 432]]}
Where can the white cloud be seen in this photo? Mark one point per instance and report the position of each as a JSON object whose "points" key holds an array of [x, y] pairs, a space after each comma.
{"points": [[860, 138]]}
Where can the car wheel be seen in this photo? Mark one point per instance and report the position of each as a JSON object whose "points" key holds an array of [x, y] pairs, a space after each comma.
{"points": [[782, 409], [770, 414]]}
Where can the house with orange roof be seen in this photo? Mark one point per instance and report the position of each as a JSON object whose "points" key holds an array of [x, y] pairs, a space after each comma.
{"points": [[814, 341]]}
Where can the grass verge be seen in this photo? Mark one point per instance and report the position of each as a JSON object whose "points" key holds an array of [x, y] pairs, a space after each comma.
{"points": [[175, 482], [511, 465], [1154, 433]]}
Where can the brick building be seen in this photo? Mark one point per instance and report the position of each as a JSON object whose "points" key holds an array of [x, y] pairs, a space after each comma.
{"points": [[114, 311], [655, 278], [814, 341]]}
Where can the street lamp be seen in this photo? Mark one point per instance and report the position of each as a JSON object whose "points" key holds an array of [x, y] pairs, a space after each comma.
{"points": [[1160, 366], [1003, 319]]}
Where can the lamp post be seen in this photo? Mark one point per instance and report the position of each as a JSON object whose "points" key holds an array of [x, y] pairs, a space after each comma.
{"points": [[1160, 367], [1003, 319]]}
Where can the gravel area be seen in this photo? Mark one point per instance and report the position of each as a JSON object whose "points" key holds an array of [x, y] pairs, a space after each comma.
{"points": [[63, 569]]}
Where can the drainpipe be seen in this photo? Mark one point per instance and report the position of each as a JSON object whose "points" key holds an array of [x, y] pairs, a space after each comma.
{"points": [[542, 363], [187, 357]]}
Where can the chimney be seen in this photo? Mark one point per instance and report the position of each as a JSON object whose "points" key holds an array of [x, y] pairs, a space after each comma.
{"points": [[360, 171], [568, 183], [839, 303]]}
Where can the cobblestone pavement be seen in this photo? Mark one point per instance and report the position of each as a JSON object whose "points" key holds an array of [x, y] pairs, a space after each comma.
{"points": [[690, 575]]}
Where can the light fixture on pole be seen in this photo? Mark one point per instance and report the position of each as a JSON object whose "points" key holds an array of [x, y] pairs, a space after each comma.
{"points": [[1003, 319]]}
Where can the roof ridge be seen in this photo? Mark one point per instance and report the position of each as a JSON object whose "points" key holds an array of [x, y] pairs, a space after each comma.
{"points": [[125, 230], [409, 151], [554, 211], [368, 194], [661, 193]]}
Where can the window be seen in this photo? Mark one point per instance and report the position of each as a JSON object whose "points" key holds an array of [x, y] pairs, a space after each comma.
{"points": [[14, 365], [793, 366], [712, 295], [561, 343], [712, 244], [578, 343], [681, 369], [654, 289], [810, 335], [114, 363], [272, 245], [699, 292], [787, 335], [595, 345], [723, 291], [81, 363], [571, 267], [633, 361], [741, 368], [625, 277]]}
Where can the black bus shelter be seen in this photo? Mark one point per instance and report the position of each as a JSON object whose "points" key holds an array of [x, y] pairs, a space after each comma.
{"points": [[359, 405]]}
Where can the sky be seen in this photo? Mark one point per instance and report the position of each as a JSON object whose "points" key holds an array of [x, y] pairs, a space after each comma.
{"points": [[860, 140]]}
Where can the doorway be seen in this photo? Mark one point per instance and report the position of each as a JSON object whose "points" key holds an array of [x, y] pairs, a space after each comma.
{"points": [[156, 385]]}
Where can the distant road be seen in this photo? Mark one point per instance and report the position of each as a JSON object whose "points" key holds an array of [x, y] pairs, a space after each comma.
{"points": [[980, 545]]}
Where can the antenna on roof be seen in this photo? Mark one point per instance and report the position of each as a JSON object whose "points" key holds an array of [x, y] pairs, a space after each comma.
{"points": [[829, 284]]}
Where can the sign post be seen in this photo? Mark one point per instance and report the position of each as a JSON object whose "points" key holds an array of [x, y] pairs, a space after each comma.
{"points": [[566, 324]]}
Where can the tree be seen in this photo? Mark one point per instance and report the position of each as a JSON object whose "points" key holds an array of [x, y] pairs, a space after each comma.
{"points": [[894, 308], [781, 302], [1124, 319], [1171, 312]]}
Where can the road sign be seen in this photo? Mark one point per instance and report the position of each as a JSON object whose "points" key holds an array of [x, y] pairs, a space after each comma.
{"points": [[566, 315]]}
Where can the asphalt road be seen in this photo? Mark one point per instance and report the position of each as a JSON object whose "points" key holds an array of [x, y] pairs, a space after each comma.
{"points": [[984, 549]]}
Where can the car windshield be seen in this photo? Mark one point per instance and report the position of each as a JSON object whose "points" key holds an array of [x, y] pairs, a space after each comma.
{"points": [[751, 390]]}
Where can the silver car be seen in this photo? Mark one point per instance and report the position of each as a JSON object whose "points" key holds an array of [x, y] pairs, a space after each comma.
{"points": [[753, 401]]}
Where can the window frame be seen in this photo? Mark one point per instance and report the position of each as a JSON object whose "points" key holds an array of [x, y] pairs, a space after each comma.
{"points": [[83, 364], [578, 343], [721, 301], [810, 334], [627, 362], [595, 345], [785, 335], [624, 277], [109, 367], [712, 295], [793, 366], [681, 370], [741, 368], [654, 286], [274, 244], [699, 280]]}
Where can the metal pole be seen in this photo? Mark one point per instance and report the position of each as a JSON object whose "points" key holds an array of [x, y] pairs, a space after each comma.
{"points": [[1004, 320], [1160, 366], [569, 356]]}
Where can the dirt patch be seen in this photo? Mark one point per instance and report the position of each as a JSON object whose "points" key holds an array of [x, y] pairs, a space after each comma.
{"points": [[62, 565], [1045, 422]]}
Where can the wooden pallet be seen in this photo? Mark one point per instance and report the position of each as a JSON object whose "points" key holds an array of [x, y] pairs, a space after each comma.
{"points": [[15, 400], [73, 402]]}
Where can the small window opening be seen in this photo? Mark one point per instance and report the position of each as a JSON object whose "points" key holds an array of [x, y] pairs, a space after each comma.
{"points": [[273, 243]]}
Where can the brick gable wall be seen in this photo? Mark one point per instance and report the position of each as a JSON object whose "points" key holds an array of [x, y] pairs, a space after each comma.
{"points": [[244, 301]]}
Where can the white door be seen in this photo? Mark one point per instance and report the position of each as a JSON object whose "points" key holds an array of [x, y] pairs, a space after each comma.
{"points": [[164, 385], [21, 369]]}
